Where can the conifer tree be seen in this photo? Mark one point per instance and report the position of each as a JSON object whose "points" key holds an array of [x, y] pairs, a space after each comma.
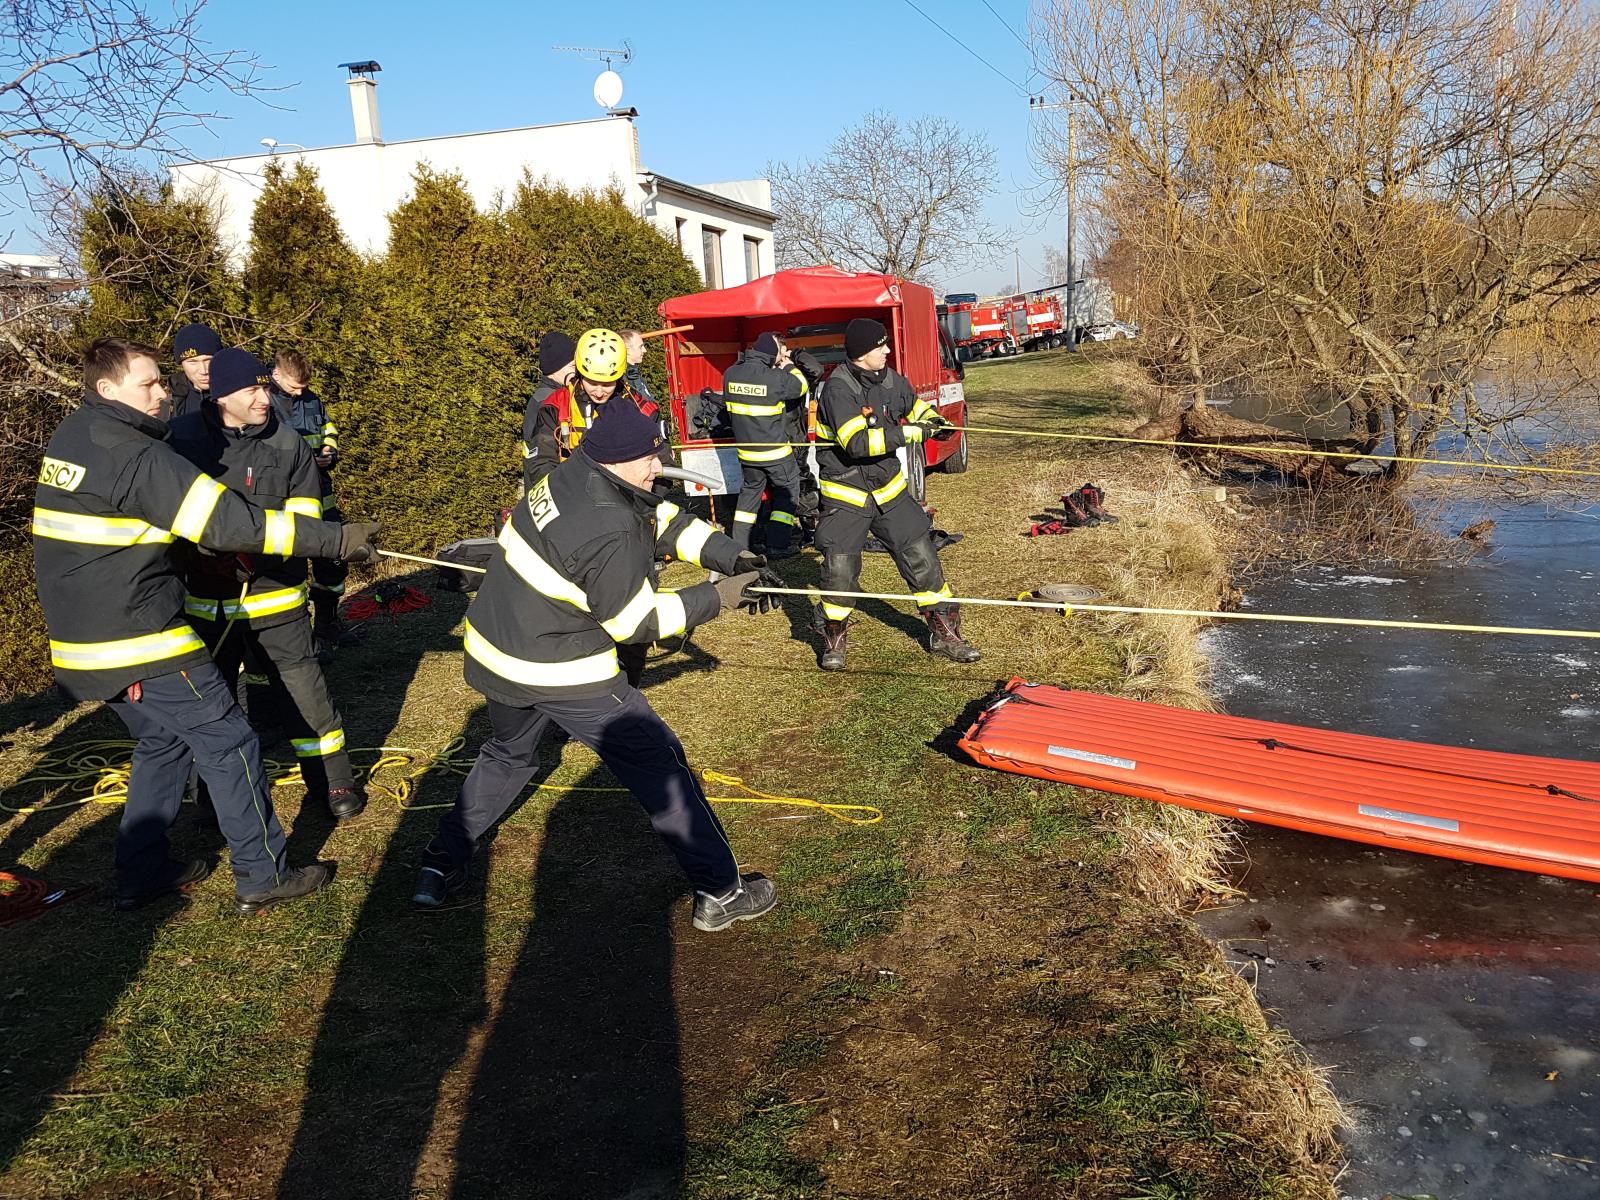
{"points": [[584, 259], [437, 389], [303, 282], [153, 262]]}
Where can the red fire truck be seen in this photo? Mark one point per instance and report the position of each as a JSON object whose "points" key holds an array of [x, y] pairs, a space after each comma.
{"points": [[809, 307]]}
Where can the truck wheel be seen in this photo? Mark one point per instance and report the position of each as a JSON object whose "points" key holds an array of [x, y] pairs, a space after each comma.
{"points": [[916, 472], [957, 462]]}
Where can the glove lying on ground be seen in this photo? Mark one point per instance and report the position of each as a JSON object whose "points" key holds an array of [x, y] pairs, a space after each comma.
{"points": [[358, 541]]}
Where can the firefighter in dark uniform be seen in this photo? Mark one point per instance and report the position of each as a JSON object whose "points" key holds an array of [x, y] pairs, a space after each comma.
{"points": [[541, 641], [556, 354], [112, 499], [867, 412], [763, 389], [303, 411], [192, 349], [599, 370], [257, 602]]}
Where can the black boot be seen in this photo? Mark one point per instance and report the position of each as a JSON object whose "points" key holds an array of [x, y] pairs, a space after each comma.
{"points": [[326, 626], [944, 635], [834, 636], [1094, 499], [346, 804]]}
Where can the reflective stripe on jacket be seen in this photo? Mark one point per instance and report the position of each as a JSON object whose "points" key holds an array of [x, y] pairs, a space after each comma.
{"points": [[270, 465], [112, 499], [574, 579], [760, 399]]}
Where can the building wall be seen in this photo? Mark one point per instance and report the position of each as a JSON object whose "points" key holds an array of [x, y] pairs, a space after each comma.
{"points": [[365, 183], [685, 219]]}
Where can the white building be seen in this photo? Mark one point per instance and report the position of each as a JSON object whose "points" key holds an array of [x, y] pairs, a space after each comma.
{"points": [[725, 229]]}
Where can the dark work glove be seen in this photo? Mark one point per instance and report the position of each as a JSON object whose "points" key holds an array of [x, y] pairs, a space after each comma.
{"points": [[807, 504], [809, 364], [730, 590], [941, 428], [357, 541], [748, 560]]}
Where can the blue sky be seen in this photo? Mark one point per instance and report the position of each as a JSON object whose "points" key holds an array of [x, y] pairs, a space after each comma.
{"points": [[721, 87]]}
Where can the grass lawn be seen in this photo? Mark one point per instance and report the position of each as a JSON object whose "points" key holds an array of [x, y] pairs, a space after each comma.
{"points": [[991, 992]]}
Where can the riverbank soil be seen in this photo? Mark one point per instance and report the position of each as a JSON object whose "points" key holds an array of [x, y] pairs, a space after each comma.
{"points": [[988, 993]]}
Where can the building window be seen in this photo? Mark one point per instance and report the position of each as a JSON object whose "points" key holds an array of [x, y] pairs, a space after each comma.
{"points": [[752, 258], [711, 247], [681, 223]]}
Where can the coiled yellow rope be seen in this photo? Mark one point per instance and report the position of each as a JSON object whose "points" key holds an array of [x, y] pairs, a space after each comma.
{"points": [[96, 772]]}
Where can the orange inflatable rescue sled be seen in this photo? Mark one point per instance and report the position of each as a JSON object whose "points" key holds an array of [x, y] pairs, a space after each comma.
{"points": [[1504, 810]]}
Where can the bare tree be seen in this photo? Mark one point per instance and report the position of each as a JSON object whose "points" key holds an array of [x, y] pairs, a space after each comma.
{"points": [[1363, 206], [86, 85], [906, 200]]}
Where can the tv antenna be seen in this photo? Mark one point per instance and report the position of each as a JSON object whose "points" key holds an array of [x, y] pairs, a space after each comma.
{"points": [[601, 54]]}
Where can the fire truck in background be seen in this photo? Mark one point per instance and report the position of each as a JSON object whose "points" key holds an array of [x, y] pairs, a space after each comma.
{"points": [[1036, 320], [809, 307]]}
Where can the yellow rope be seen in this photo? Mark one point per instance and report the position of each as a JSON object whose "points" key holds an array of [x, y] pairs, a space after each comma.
{"points": [[1246, 447], [816, 594], [97, 773]]}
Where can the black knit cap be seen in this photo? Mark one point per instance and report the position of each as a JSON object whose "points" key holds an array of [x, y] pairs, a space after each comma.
{"points": [[862, 335], [234, 369], [767, 344], [556, 350], [621, 434], [195, 341]]}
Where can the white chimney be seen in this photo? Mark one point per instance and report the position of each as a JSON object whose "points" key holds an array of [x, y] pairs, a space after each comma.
{"points": [[364, 101]]}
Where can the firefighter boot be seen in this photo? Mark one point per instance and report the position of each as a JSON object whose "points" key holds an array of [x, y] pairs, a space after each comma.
{"points": [[326, 626], [944, 635], [834, 636]]}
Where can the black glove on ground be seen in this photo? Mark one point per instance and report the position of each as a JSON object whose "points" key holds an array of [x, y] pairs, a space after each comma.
{"points": [[357, 541]]}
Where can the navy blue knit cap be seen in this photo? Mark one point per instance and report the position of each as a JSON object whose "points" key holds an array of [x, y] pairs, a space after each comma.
{"points": [[621, 433], [195, 341], [233, 370]]}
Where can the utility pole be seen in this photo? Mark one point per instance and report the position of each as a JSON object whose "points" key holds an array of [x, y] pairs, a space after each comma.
{"points": [[1018, 254], [1040, 104]]}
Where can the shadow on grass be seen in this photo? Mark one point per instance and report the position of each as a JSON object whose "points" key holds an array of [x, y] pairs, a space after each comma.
{"points": [[579, 1091]]}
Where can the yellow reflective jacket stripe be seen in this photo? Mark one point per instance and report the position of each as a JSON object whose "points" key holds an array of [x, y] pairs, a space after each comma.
{"points": [[198, 504], [849, 429], [595, 668], [96, 531], [772, 455], [317, 747], [258, 604], [850, 495], [304, 506], [279, 537], [921, 410], [875, 442], [626, 623], [755, 410], [538, 574], [671, 617], [692, 541], [125, 652]]}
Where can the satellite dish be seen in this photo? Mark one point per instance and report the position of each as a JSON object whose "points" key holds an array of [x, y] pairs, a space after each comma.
{"points": [[608, 89]]}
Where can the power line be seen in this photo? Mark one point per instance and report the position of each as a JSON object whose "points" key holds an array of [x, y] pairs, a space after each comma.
{"points": [[1020, 89], [1020, 41]]}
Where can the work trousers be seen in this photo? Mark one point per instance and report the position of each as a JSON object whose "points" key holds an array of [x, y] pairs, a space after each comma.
{"points": [[190, 720], [902, 526], [288, 657], [635, 743], [782, 484]]}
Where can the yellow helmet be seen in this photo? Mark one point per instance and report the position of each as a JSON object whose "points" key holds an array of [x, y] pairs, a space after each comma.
{"points": [[601, 356]]}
